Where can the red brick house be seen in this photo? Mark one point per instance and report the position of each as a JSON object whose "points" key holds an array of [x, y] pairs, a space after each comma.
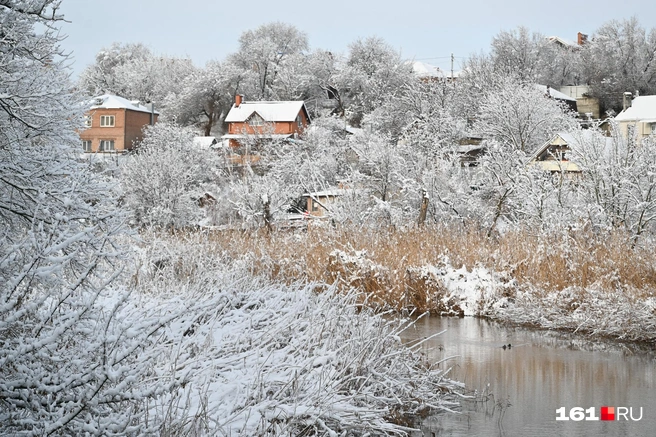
{"points": [[248, 121], [114, 124]]}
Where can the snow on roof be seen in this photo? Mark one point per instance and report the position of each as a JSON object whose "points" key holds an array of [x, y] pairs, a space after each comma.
{"points": [[269, 111], [110, 101], [328, 193], [204, 143], [642, 108], [421, 69], [554, 93], [256, 136], [562, 41]]}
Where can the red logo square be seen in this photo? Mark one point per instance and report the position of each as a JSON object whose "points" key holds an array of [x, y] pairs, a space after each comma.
{"points": [[607, 413]]}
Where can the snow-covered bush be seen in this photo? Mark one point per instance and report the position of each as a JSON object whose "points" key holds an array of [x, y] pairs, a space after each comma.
{"points": [[163, 180]]}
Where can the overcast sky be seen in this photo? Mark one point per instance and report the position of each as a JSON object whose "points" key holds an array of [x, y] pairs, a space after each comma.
{"points": [[423, 30]]}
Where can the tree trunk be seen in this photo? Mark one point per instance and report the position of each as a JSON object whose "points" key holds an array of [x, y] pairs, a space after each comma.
{"points": [[424, 208], [268, 218]]}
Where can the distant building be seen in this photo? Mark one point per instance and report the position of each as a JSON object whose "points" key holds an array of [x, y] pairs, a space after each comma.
{"points": [[554, 155], [570, 102], [638, 116], [114, 124], [427, 72], [248, 121], [319, 203], [587, 107]]}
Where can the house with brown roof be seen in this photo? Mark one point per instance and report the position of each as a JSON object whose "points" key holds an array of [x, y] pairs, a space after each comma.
{"points": [[114, 124], [266, 120]]}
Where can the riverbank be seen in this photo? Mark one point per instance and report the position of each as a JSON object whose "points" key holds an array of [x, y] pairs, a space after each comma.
{"points": [[599, 285]]}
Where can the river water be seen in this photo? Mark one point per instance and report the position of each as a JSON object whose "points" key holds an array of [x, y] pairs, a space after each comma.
{"points": [[541, 372]]}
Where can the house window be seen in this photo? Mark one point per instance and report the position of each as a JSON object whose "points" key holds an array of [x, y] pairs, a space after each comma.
{"points": [[106, 146], [106, 121], [315, 206], [653, 128], [86, 145], [87, 121], [299, 121], [256, 120]]}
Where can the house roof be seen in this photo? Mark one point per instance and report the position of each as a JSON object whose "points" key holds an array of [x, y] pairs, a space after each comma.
{"points": [[642, 108], [257, 136], [205, 143], [563, 41], [570, 139], [269, 111], [551, 92], [110, 101], [328, 193], [422, 69]]}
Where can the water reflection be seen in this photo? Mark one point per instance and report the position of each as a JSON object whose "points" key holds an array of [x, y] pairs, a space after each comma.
{"points": [[541, 372]]}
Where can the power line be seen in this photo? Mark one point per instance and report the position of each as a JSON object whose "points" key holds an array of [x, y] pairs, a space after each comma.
{"points": [[440, 57]]}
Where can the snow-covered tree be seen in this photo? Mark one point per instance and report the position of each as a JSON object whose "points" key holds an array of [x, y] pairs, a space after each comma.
{"points": [[154, 78], [520, 52], [101, 76], [134, 72], [520, 115], [618, 180], [264, 52], [73, 355], [373, 75], [206, 96], [163, 181], [620, 57]]}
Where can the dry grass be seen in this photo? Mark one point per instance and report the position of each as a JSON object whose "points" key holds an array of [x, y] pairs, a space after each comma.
{"points": [[381, 263]]}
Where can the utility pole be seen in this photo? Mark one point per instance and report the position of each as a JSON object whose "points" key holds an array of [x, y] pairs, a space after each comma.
{"points": [[452, 78]]}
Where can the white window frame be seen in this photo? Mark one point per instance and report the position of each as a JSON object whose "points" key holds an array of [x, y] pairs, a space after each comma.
{"points": [[256, 120], [88, 121], [107, 121], [86, 145], [107, 146]]}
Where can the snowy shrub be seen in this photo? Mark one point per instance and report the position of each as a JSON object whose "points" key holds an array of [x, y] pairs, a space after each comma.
{"points": [[164, 179]]}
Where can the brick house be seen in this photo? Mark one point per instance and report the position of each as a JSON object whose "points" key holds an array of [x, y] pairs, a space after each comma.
{"points": [[253, 121], [114, 124]]}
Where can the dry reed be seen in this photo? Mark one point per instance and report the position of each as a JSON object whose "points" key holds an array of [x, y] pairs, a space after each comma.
{"points": [[381, 262]]}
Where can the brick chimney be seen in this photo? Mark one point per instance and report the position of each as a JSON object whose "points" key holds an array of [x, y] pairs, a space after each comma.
{"points": [[238, 99], [581, 38], [628, 97]]}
